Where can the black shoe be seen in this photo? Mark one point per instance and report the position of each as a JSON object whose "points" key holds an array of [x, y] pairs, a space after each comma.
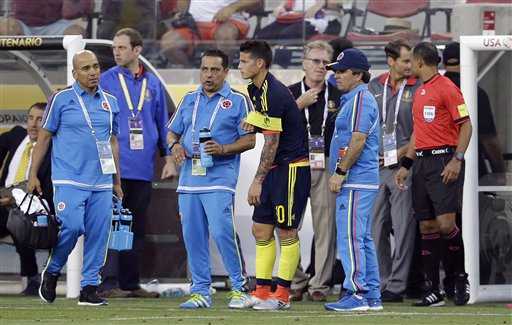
{"points": [[388, 296], [461, 294], [431, 299], [89, 297], [449, 286], [32, 288], [48, 286]]}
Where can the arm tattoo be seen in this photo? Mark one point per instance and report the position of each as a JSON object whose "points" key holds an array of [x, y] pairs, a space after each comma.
{"points": [[267, 156]]}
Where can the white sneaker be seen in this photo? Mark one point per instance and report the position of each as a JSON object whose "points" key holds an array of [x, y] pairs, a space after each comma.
{"points": [[239, 300], [272, 304]]}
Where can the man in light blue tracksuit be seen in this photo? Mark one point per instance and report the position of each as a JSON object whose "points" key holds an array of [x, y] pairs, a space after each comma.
{"points": [[206, 194], [356, 180], [81, 121]]}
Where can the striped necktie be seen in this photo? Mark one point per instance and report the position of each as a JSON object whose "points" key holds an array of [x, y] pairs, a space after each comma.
{"points": [[25, 159]]}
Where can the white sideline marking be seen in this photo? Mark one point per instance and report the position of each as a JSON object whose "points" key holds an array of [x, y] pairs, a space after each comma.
{"points": [[279, 315], [326, 315]]}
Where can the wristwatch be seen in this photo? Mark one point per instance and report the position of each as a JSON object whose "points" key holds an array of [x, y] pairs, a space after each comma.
{"points": [[459, 156]]}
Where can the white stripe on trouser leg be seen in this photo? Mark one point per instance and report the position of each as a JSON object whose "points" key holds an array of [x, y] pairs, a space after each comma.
{"points": [[350, 243], [236, 243]]}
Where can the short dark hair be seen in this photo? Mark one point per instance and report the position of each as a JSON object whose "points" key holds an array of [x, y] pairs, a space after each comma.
{"points": [[451, 54], [427, 52], [339, 45], [39, 105], [258, 50], [218, 54], [133, 35], [393, 48], [365, 75]]}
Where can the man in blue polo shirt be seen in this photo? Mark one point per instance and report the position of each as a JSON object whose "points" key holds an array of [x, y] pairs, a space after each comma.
{"points": [[142, 117], [355, 179], [81, 121], [206, 194]]}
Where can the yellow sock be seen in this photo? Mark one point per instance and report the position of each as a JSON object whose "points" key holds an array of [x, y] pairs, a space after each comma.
{"points": [[289, 259], [265, 258]]}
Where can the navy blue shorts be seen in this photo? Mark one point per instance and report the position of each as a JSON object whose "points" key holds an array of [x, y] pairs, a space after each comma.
{"points": [[284, 196]]}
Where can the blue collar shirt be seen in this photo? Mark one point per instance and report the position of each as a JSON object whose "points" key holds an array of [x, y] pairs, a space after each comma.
{"points": [[75, 160], [225, 129], [359, 113], [139, 164]]}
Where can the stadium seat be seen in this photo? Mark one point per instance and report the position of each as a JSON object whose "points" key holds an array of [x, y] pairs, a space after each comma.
{"points": [[405, 9]]}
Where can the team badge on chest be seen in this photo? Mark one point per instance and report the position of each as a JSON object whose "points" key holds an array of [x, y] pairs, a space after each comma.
{"points": [[61, 206], [226, 104], [105, 106], [429, 113]]}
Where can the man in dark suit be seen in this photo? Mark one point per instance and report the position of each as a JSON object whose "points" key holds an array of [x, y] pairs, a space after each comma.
{"points": [[15, 156]]}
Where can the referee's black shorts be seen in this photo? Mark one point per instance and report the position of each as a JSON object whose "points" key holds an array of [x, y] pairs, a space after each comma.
{"points": [[430, 196], [284, 195]]}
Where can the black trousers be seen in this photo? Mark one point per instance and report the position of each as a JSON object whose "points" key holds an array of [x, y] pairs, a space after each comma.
{"points": [[28, 262], [122, 269]]}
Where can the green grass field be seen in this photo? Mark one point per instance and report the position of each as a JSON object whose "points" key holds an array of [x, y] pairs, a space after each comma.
{"points": [[19, 310]]}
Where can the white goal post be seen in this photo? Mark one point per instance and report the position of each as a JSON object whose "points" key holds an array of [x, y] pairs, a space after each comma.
{"points": [[469, 45]]}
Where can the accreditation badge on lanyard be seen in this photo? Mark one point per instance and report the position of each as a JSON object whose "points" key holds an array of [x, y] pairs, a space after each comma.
{"points": [[135, 125], [389, 143], [136, 133], [104, 148], [390, 150], [316, 152], [317, 142], [197, 168], [106, 157]]}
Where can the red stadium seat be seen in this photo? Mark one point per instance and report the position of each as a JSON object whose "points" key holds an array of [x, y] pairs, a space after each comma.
{"points": [[401, 9]]}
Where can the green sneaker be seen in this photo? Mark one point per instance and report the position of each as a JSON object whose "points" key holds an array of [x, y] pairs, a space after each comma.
{"points": [[197, 301]]}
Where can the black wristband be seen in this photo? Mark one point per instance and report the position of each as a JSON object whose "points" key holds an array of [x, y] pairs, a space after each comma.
{"points": [[406, 162], [340, 172], [172, 145]]}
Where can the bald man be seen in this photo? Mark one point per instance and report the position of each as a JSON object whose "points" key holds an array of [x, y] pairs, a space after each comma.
{"points": [[82, 123]]}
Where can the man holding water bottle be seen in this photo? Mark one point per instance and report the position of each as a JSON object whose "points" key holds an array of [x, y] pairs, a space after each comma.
{"points": [[205, 138]]}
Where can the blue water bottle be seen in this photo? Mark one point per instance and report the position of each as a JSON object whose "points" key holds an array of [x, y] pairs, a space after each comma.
{"points": [[114, 230], [206, 159], [125, 228]]}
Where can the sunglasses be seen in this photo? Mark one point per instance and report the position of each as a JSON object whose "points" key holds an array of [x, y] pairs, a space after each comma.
{"points": [[318, 61]]}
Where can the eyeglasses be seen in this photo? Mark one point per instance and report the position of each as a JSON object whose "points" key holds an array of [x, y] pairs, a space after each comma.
{"points": [[318, 61]]}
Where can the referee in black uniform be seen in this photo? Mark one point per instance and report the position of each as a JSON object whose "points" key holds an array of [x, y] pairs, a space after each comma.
{"points": [[441, 134]]}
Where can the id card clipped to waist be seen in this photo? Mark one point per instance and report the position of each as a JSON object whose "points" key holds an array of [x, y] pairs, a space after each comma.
{"points": [[136, 133], [106, 157], [197, 168], [390, 151], [316, 152]]}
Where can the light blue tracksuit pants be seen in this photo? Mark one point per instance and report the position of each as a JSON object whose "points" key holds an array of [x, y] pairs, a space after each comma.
{"points": [[82, 212], [354, 210], [202, 214]]}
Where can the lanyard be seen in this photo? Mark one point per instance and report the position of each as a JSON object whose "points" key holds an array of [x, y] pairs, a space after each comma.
{"points": [[88, 118], [397, 105], [127, 94], [194, 114], [326, 111]]}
